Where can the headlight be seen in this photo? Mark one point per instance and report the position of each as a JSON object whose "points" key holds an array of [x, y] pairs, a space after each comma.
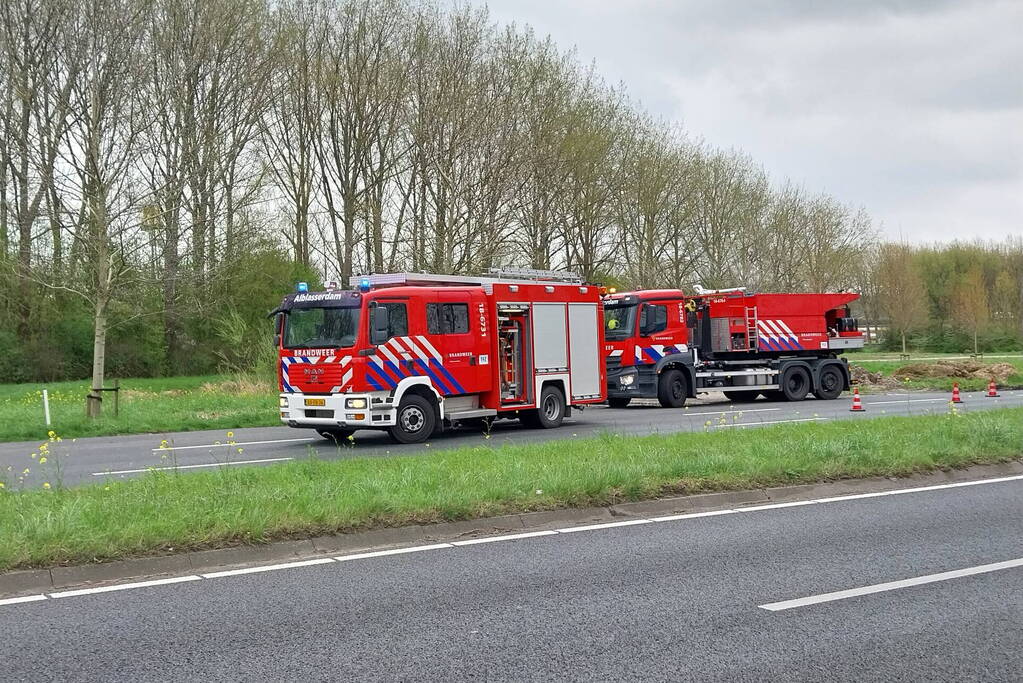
{"points": [[284, 402], [626, 380], [355, 403]]}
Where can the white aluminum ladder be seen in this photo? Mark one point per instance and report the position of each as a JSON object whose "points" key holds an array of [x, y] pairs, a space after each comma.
{"points": [[752, 333]]}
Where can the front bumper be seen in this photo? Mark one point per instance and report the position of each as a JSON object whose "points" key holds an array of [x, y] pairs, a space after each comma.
{"points": [[623, 382], [337, 411]]}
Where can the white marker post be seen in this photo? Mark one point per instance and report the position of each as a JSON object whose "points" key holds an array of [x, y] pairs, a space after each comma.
{"points": [[46, 406]]}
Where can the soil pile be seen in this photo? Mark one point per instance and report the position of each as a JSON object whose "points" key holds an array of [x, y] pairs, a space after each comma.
{"points": [[957, 369]]}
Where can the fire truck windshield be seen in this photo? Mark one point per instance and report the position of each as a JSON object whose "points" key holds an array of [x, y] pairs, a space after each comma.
{"points": [[321, 328], [619, 321]]}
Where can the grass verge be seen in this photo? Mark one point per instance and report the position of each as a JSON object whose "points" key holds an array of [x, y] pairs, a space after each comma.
{"points": [[165, 512], [171, 404]]}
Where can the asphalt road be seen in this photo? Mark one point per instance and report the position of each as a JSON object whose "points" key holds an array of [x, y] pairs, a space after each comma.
{"points": [[664, 600], [94, 459]]}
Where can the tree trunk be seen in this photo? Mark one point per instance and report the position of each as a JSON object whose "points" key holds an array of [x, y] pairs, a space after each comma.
{"points": [[903, 341], [94, 403]]}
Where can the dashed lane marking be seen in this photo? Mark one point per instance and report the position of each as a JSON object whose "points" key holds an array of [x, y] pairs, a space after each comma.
{"points": [[191, 467]]}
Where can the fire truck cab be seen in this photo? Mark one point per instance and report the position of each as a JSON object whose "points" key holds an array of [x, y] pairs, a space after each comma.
{"points": [[414, 353], [667, 345]]}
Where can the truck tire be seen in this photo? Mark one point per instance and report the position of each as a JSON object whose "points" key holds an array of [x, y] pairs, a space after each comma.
{"points": [[830, 383], [415, 420], [742, 396], [619, 402], [551, 410], [795, 384], [335, 435], [672, 389]]}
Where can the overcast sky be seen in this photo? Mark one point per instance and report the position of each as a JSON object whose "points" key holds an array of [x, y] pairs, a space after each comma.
{"points": [[911, 109]]}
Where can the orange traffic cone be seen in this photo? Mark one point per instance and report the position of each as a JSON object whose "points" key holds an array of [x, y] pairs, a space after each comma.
{"points": [[992, 390], [955, 393], [857, 406]]}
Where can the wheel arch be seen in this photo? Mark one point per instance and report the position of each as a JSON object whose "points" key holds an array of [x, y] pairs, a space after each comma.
{"points": [[683, 362]]}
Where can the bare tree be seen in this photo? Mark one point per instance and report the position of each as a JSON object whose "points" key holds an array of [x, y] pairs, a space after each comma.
{"points": [[901, 294]]}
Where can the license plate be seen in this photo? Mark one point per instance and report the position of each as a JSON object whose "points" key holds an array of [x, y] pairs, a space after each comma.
{"points": [[316, 401]]}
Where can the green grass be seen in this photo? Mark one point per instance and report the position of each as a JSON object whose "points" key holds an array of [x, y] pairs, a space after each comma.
{"points": [[146, 405], [943, 383], [161, 512]]}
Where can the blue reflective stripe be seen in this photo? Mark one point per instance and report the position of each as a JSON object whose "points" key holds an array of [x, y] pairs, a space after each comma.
{"points": [[381, 375], [436, 380], [373, 382], [770, 344], [447, 375], [652, 353], [395, 368]]}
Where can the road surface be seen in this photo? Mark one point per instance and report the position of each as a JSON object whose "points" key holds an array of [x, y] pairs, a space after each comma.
{"points": [[934, 581], [98, 458]]}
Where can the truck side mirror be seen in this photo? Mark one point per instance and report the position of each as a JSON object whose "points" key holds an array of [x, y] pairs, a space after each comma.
{"points": [[380, 324]]}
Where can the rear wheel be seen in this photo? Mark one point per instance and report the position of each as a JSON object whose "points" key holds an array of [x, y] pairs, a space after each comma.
{"points": [[672, 389], [335, 435], [415, 421], [742, 396], [830, 383], [795, 384], [551, 410], [619, 401]]}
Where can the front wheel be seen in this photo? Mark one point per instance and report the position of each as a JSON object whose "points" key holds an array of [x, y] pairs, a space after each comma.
{"points": [[619, 401], [672, 389], [551, 410], [830, 383], [415, 421]]}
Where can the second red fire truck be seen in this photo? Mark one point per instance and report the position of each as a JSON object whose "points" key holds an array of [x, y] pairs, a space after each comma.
{"points": [[667, 345], [413, 353]]}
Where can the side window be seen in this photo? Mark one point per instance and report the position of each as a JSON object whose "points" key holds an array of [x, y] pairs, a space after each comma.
{"points": [[447, 318], [653, 319], [397, 319]]}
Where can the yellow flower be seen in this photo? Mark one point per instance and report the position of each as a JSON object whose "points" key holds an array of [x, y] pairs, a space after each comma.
{"points": [[46, 485], [34, 455], [230, 435], [52, 434], [42, 460], [25, 471], [2, 485]]}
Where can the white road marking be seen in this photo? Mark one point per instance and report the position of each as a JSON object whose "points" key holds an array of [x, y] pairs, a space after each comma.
{"points": [[770, 422], [568, 530], [26, 598], [914, 400], [507, 537], [268, 568], [734, 410], [231, 445], [891, 586], [191, 467], [393, 551], [607, 525], [124, 586], [693, 515]]}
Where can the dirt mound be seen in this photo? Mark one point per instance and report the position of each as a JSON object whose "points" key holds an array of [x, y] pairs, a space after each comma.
{"points": [[956, 368], [864, 377]]}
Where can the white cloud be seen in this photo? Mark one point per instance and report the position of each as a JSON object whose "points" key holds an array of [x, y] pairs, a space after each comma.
{"points": [[913, 110]]}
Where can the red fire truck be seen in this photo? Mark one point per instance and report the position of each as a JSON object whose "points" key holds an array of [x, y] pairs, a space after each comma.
{"points": [[665, 344], [413, 353]]}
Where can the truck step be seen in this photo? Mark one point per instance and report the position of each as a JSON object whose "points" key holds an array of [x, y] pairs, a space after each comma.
{"points": [[469, 414]]}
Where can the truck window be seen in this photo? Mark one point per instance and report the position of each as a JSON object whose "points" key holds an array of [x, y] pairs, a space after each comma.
{"points": [[619, 321], [307, 328], [653, 319], [447, 318], [397, 318]]}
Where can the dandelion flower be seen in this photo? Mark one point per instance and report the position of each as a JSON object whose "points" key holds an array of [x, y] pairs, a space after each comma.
{"points": [[46, 485], [42, 460], [230, 435], [2, 485]]}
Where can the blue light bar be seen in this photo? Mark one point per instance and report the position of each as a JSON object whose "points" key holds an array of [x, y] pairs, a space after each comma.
{"points": [[302, 287], [364, 285]]}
